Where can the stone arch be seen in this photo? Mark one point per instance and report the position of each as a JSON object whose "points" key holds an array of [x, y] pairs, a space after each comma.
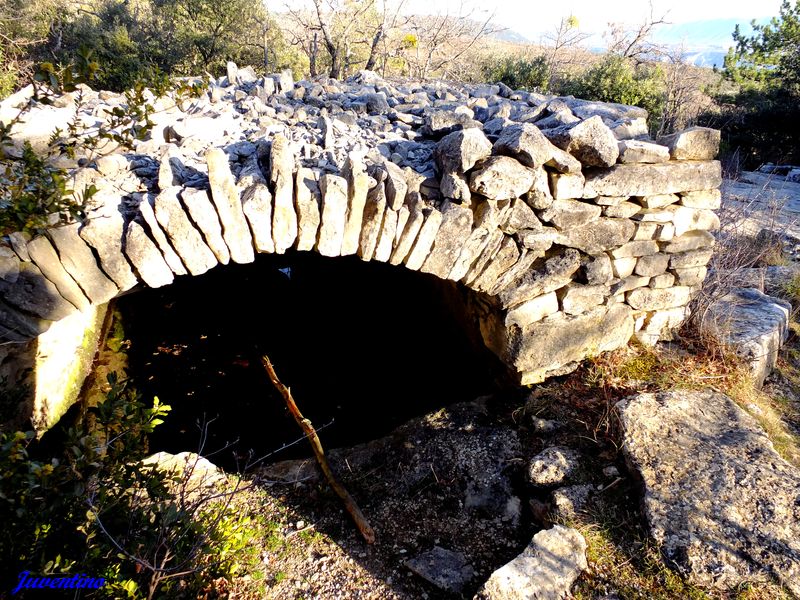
{"points": [[571, 241]]}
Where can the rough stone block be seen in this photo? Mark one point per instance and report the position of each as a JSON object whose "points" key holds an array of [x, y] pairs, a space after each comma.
{"points": [[501, 178], [146, 257], [79, 262], [205, 216], [652, 265], [385, 245], [425, 239], [659, 299], [148, 217], [532, 310], [357, 189], [104, 233], [637, 151], [597, 236], [187, 241], [689, 219], [650, 179], [691, 240], [281, 176], [257, 209], [566, 214], [372, 221], [235, 230], [576, 299], [453, 232], [694, 143], [44, 255], [334, 214], [590, 141], [710, 199], [564, 186]]}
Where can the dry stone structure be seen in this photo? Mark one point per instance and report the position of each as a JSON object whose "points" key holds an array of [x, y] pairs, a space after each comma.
{"points": [[571, 228]]}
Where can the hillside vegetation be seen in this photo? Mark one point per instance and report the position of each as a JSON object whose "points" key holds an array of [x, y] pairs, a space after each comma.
{"points": [[754, 99]]}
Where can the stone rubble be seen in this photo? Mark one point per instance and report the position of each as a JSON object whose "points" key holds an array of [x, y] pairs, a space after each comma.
{"points": [[574, 228]]}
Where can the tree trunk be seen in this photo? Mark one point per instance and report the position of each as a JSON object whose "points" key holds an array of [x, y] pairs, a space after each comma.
{"points": [[312, 56], [373, 51]]}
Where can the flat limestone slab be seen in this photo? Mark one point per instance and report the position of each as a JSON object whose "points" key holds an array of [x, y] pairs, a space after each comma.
{"points": [[652, 179], [719, 500], [753, 324]]}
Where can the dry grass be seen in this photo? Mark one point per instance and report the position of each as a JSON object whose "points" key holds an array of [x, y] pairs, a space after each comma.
{"points": [[623, 560], [698, 364]]}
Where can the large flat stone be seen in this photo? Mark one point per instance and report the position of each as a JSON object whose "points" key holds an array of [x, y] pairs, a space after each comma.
{"points": [[383, 249], [307, 202], [33, 293], [372, 221], [257, 208], [357, 189], [597, 236], [720, 502], [540, 349], [202, 212], [334, 214], [425, 239], [408, 236], [105, 233], [474, 245], [79, 262], [44, 255], [455, 229], [752, 324], [505, 258], [148, 215], [651, 179], [235, 230], [146, 257], [185, 238]]}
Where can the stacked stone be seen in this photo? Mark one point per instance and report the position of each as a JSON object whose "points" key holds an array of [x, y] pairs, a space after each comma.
{"points": [[573, 229]]}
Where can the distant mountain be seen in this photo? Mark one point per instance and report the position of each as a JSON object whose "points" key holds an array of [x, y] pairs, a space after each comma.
{"points": [[706, 58], [511, 36]]}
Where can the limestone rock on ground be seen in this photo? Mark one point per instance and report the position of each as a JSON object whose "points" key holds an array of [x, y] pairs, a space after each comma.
{"points": [[447, 570], [545, 570], [753, 324], [719, 500], [553, 466]]}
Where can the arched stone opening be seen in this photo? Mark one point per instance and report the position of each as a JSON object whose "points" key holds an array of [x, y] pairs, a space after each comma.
{"points": [[364, 348]]}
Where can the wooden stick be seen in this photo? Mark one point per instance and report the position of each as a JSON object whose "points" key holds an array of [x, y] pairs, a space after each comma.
{"points": [[349, 504]]}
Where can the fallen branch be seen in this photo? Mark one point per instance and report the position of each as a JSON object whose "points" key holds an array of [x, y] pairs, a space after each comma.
{"points": [[349, 504]]}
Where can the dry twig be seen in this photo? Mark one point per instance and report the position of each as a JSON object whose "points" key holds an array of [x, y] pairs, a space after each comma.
{"points": [[349, 504]]}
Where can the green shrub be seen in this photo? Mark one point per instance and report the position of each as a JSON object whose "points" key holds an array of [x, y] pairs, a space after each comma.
{"points": [[518, 72], [616, 79], [87, 504]]}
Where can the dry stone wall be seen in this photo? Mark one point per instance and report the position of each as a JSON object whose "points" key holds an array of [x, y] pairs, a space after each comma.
{"points": [[572, 229]]}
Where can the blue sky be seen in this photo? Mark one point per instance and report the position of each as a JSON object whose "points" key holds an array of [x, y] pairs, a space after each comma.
{"points": [[532, 18]]}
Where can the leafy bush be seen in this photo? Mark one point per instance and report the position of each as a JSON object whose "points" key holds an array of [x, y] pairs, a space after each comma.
{"points": [[31, 191], [616, 79], [518, 72], [146, 531]]}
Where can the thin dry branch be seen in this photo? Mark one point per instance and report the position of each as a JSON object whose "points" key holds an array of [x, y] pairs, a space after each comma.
{"points": [[350, 505]]}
